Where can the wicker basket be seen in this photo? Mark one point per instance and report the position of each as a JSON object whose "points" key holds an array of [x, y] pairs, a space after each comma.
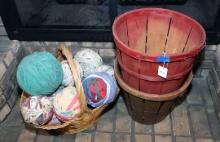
{"points": [[86, 117]]}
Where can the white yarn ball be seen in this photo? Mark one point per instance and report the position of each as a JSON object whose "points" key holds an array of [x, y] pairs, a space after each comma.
{"points": [[79, 68], [67, 74], [106, 68], [89, 60]]}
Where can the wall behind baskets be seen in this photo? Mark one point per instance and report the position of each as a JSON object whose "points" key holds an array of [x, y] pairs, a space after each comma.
{"points": [[11, 52]]}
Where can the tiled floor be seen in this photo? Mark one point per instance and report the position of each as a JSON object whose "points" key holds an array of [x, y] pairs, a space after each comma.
{"points": [[193, 120]]}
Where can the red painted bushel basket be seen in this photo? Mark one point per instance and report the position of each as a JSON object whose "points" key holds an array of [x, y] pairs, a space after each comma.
{"points": [[143, 35]]}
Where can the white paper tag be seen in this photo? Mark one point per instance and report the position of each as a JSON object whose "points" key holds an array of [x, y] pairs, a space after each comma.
{"points": [[162, 71]]}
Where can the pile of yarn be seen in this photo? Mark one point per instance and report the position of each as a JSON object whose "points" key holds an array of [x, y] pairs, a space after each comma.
{"points": [[53, 99], [49, 85]]}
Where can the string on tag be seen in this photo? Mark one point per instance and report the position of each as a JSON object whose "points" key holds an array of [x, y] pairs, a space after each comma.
{"points": [[163, 70], [165, 63]]}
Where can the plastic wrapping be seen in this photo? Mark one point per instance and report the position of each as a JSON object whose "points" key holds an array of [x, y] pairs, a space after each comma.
{"points": [[37, 110], [100, 89]]}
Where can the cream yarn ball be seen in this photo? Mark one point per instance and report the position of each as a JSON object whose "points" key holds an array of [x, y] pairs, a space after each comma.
{"points": [[66, 103], [106, 68], [67, 74], [89, 61], [79, 68]]}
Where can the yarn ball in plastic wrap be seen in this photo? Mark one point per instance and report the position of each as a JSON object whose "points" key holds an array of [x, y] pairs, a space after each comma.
{"points": [[66, 103], [99, 88], [39, 74], [106, 68], [67, 74], [54, 121], [37, 110], [89, 60]]}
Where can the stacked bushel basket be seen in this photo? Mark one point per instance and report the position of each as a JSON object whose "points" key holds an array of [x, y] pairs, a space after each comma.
{"points": [[156, 49]]}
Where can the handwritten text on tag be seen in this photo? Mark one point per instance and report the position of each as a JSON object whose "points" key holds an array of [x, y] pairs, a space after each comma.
{"points": [[162, 71]]}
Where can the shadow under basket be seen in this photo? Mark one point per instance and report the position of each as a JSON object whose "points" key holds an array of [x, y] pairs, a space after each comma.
{"points": [[87, 117], [149, 108], [150, 37]]}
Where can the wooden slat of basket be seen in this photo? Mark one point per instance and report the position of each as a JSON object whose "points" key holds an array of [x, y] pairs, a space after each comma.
{"points": [[193, 40], [178, 36], [165, 106], [142, 28], [137, 32], [123, 33], [158, 26]]}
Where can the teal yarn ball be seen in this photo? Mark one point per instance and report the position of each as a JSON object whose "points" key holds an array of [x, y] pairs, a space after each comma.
{"points": [[39, 73]]}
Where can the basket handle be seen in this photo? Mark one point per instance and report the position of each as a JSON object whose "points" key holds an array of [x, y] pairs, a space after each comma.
{"points": [[66, 53]]}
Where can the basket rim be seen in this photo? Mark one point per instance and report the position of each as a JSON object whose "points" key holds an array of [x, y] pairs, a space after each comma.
{"points": [[150, 96], [150, 58], [153, 78]]}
